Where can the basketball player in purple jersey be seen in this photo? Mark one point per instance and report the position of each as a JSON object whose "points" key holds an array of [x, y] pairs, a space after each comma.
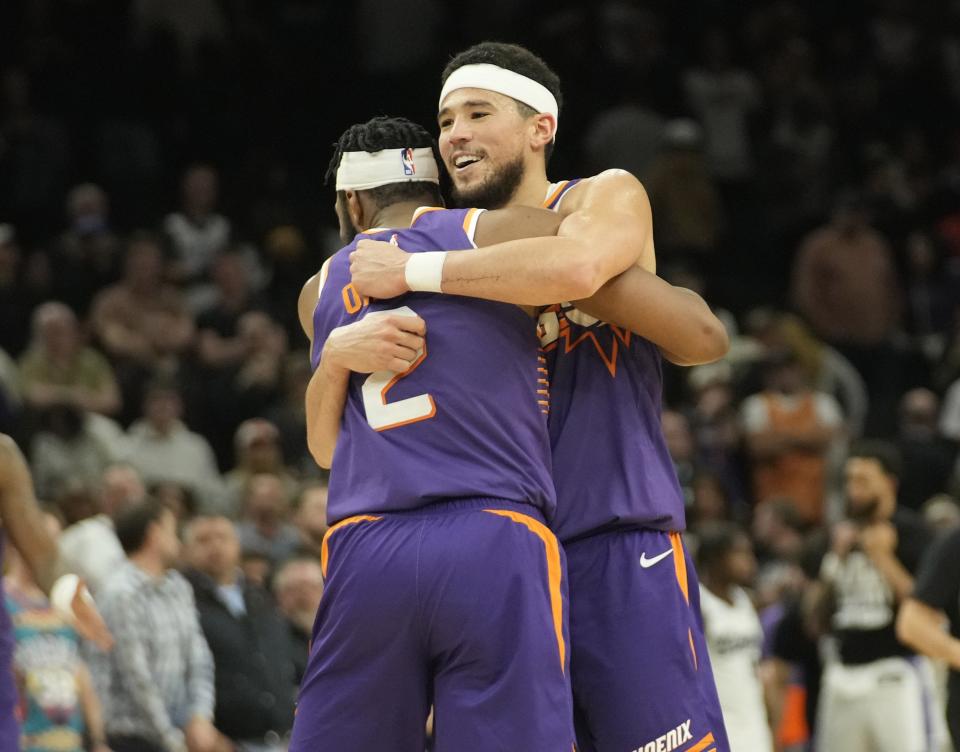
{"points": [[641, 675], [24, 525], [444, 586]]}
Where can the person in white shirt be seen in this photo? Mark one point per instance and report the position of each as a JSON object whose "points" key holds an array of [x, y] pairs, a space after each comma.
{"points": [[726, 565]]}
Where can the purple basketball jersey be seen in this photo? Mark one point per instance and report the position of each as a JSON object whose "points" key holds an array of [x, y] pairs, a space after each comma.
{"points": [[611, 464], [467, 419]]}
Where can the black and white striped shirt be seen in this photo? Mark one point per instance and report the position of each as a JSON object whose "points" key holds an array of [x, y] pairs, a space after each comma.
{"points": [[160, 670]]}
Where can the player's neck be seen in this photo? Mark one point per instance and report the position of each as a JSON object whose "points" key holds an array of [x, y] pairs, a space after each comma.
{"points": [[395, 215], [532, 190]]}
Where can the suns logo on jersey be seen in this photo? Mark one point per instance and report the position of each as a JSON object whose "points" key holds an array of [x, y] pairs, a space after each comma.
{"points": [[565, 327], [406, 158]]}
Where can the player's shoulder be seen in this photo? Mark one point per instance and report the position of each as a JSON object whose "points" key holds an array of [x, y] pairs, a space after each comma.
{"points": [[596, 188]]}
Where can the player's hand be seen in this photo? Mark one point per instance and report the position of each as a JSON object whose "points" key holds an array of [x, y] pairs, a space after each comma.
{"points": [[378, 269], [879, 539], [89, 624], [380, 341]]}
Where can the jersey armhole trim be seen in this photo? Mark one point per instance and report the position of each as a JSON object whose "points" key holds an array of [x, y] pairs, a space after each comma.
{"points": [[324, 271], [470, 224], [421, 210]]}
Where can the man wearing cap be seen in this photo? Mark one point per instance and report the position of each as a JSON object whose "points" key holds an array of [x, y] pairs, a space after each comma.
{"points": [[640, 671]]}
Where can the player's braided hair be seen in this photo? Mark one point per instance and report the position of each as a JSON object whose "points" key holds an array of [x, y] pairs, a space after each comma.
{"points": [[388, 133], [515, 58]]}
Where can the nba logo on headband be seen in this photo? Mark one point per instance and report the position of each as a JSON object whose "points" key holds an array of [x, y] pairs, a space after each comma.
{"points": [[406, 157]]}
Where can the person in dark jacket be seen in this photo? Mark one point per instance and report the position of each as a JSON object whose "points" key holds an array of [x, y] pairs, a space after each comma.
{"points": [[247, 636]]}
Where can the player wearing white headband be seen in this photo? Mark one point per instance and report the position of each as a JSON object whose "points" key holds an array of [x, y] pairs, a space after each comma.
{"points": [[444, 585], [641, 675]]}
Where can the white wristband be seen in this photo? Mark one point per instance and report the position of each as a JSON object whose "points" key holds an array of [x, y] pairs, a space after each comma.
{"points": [[424, 271], [62, 594]]}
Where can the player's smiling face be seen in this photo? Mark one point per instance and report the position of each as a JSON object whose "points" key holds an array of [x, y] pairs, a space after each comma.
{"points": [[482, 140]]}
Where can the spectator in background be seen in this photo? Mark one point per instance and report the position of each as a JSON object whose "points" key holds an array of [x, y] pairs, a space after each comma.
{"points": [[626, 136], [257, 445], [247, 637], [141, 322], [297, 587], [716, 428], [59, 370], [950, 415], [723, 97], [90, 546], [928, 458], [789, 429], [86, 256], [60, 705], [929, 293], [161, 688], [197, 232], [778, 531], [683, 196], [264, 524], [162, 448], [289, 415], [827, 370], [873, 696], [310, 517], [845, 284], [726, 566], [67, 450]]}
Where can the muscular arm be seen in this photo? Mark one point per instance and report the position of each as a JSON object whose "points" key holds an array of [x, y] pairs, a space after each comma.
{"points": [[921, 627], [22, 518], [607, 233], [673, 318]]}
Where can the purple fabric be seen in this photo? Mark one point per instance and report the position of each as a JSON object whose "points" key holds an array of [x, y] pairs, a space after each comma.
{"points": [[447, 606], [635, 677], [606, 385], [9, 729], [488, 436]]}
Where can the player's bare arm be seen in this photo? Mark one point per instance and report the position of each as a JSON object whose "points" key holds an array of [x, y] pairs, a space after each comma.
{"points": [[607, 230], [23, 521], [675, 319]]}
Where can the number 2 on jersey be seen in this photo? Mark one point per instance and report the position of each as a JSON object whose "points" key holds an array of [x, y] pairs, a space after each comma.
{"points": [[383, 415]]}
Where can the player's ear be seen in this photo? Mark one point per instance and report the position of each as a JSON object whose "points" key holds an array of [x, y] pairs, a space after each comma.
{"points": [[355, 209], [543, 129]]}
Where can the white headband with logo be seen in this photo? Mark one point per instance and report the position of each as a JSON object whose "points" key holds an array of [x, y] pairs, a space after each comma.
{"points": [[506, 82], [363, 170]]}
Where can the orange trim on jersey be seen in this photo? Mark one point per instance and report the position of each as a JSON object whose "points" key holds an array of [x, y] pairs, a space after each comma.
{"points": [[693, 649], [553, 196], [554, 571], [702, 744], [468, 219], [390, 384], [325, 548], [421, 210], [680, 565]]}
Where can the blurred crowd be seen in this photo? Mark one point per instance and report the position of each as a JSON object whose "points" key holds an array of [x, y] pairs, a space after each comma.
{"points": [[161, 205]]}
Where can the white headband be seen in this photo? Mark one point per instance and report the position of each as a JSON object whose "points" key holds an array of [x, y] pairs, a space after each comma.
{"points": [[362, 170], [503, 81]]}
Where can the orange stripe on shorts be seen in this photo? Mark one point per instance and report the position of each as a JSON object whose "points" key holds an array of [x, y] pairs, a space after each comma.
{"points": [[554, 571], [702, 744], [325, 548]]}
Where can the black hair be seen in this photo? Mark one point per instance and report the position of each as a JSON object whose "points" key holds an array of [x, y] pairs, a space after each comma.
{"points": [[389, 133], [133, 523], [514, 58], [886, 455], [717, 539]]}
